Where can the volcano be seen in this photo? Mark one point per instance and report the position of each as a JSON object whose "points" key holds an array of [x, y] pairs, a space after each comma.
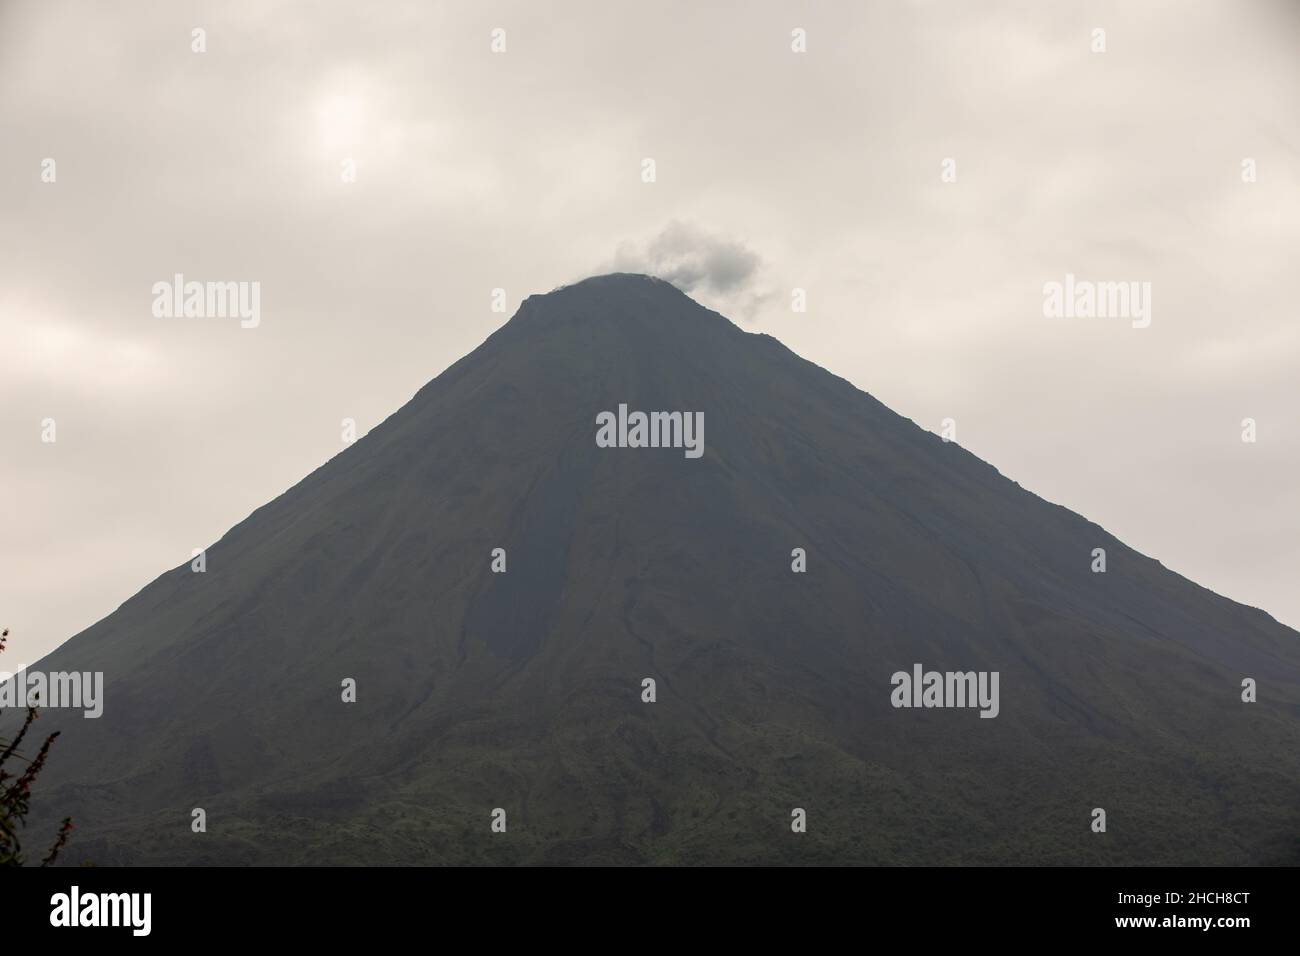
{"points": [[570, 652]]}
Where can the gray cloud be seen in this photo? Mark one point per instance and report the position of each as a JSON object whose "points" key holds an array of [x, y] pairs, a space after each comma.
{"points": [[521, 170]]}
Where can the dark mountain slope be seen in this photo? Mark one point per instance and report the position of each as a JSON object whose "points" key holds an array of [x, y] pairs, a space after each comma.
{"points": [[522, 691]]}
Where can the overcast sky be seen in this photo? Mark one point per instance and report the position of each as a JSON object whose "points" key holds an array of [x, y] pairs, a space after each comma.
{"points": [[522, 170]]}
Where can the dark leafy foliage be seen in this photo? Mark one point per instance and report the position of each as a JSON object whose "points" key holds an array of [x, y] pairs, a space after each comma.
{"points": [[16, 790]]}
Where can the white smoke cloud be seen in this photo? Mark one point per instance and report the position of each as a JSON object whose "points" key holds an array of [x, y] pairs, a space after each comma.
{"points": [[722, 272]]}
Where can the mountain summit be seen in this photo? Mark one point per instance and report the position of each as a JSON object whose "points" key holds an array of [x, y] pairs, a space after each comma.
{"points": [[623, 653]]}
